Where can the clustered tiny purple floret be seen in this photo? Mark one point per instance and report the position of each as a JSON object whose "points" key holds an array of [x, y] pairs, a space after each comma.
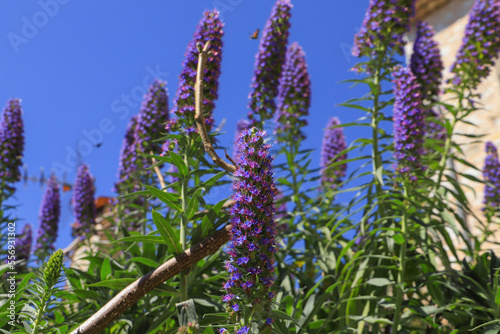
{"points": [[23, 243], [241, 126], [252, 247], [83, 203], [331, 152], [128, 159], [50, 211], [385, 22], [427, 67], [210, 29], [491, 174], [425, 63], [151, 120], [480, 45], [294, 95], [269, 62], [11, 142], [409, 123]]}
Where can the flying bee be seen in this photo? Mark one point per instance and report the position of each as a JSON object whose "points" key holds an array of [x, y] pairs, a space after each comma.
{"points": [[255, 35]]}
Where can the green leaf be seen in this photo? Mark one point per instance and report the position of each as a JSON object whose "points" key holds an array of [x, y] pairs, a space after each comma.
{"points": [[213, 179], [399, 239], [379, 282], [379, 174], [118, 283], [179, 163], [278, 314], [168, 233], [146, 261], [105, 269], [193, 204], [142, 238], [169, 199], [88, 294]]}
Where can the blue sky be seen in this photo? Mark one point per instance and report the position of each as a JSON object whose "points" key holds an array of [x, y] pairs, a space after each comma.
{"points": [[81, 68]]}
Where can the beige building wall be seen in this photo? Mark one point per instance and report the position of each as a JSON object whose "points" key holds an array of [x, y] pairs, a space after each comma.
{"points": [[449, 17]]}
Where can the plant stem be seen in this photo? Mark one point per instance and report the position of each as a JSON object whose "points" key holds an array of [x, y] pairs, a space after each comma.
{"points": [[402, 261], [183, 227], [376, 160], [444, 157], [41, 311], [447, 144]]}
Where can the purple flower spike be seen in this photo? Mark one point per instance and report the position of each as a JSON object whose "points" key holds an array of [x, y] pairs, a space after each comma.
{"points": [[49, 219], [23, 243], [11, 142], [241, 126], [427, 67], [409, 123], [425, 62], [269, 62], [151, 120], [210, 29], [385, 23], [480, 46], [128, 159], [83, 203], [253, 245], [331, 152], [294, 96], [491, 173]]}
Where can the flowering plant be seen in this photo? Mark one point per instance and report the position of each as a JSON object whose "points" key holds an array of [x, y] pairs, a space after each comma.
{"points": [[363, 235]]}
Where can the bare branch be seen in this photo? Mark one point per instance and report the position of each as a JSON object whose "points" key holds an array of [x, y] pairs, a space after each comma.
{"points": [[230, 159], [200, 119], [128, 296], [158, 173]]}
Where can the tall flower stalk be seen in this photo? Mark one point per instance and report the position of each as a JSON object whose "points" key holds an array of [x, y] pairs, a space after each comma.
{"points": [[427, 67], [383, 29], [11, 148], [269, 62], [50, 211], [141, 138], [128, 160], [480, 45], [23, 244], [332, 149], [425, 62], [294, 96], [209, 33], [379, 39], [251, 251], [409, 124], [83, 203], [46, 289], [491, 174], [151, 120], [210, 29]]}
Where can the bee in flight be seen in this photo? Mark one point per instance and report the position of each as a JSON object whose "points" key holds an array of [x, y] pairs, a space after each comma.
{"points": [[255, 35]]}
